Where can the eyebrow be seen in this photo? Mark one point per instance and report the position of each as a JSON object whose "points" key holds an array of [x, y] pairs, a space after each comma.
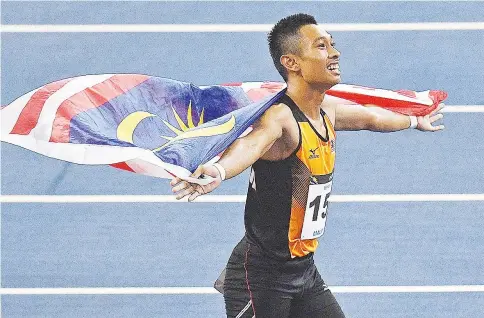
{"points": [[323, 37]]}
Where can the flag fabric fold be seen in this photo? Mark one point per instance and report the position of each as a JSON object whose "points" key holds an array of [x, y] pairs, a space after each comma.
{"points": [[157, 126]]}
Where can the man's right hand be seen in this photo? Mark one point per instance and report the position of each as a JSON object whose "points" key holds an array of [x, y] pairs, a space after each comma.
{"points": [[184, 189]]}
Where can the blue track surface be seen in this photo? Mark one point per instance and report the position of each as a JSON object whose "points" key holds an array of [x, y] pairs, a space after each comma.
{"points": [[161, 245]]}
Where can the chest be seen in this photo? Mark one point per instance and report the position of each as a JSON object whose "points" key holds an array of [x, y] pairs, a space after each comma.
{"points": [[318, 149], [319, 127]]}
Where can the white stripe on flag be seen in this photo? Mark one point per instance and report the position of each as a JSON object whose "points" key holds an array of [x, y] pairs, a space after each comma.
{"points": [[421, 97], [78, 153], [43, 129], [254, 85], [11, 112]]}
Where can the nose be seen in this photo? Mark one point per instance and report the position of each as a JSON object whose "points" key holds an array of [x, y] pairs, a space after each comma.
{"points": [[333, 53]]}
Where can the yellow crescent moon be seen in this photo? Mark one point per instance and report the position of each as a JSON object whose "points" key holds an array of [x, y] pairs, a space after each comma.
{"points": [[203, 132], [127, 126]]}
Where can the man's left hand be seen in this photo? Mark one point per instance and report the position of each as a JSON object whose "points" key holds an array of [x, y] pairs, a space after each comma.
{"points": [[425, 123]]}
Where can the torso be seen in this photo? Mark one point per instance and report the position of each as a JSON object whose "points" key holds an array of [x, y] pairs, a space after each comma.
{"points": [[286, 145], [287, 197]]}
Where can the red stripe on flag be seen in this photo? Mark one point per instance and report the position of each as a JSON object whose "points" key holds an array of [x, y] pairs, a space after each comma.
{"points": [[257, 94], [407, 93], [277, 86], [232, 84], [171, 174], [89, 98], [122, 165], [29, 116], [398, 106]]}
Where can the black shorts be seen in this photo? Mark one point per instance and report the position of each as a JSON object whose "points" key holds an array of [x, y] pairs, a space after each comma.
{"points": [[257, 286]]}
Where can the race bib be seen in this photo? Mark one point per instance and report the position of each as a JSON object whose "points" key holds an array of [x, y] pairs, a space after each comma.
{"points": [[315, 215]]}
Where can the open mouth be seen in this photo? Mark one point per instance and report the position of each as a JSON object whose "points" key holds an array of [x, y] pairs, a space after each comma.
{"points": [[334, 68]]}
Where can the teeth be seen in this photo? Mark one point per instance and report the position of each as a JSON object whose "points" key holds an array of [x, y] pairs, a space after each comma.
{"points": [[333, 67]]}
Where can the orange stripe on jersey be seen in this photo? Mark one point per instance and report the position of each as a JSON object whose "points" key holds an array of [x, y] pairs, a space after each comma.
{"points": [[316, 158]]}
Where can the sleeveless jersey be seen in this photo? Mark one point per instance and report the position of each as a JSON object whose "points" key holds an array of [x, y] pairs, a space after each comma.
{"points": [[287, 200]]}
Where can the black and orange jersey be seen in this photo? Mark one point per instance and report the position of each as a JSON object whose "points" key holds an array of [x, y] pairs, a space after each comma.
{"points": [[287, 200]]}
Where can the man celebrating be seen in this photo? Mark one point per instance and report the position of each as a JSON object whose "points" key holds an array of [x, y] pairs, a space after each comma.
{"points": [[291, 149]]}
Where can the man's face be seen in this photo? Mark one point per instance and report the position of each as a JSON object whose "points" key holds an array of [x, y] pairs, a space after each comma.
{"points": [[318, 59]]}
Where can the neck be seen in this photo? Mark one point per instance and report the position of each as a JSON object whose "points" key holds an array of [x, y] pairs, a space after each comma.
{"points": [[306, 97]]}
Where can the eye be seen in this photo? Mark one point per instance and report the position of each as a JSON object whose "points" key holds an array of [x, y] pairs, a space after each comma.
{"points": [[321, 45]]}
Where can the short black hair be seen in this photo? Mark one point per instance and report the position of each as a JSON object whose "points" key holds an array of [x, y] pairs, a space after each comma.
{"points": [[284, 38]]}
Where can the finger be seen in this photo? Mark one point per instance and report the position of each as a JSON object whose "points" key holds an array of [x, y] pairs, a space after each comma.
{"points": [[197, 191], [437, 128], [193, 196], [183, 193], [438, 109], [174, 181], [436, 117], [180, 186], [440, 127]]}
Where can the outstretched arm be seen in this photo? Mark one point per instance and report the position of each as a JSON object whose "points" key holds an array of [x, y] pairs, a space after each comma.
{"points": [[247, 150], [356, 117], [239, 156]]}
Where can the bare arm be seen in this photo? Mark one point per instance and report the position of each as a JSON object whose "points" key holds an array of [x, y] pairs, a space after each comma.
{"points": [[247, 150], [356, 117], [240, 155]]}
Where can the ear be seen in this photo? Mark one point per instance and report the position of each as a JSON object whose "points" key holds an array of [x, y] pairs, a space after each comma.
{"points": [[290, 62]]}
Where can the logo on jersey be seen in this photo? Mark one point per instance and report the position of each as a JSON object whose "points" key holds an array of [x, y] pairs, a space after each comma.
{"points": [[332, 144], [313, 155]]}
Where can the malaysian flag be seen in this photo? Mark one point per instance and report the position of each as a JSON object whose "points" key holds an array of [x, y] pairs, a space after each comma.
{"points": [[158, 126]]}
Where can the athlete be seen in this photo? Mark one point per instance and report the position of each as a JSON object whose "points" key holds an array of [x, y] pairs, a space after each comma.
{"points": [[271, 272]]}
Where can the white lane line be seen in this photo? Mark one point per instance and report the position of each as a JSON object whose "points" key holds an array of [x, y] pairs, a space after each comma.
{"points": [[231, 198], [407, 197], [175, 28], [210, 290], [463, 109], [232, 0], [409, 289], [115, 199]]}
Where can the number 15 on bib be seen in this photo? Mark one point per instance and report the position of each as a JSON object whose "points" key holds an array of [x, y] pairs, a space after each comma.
{"points": [[316, 207]]}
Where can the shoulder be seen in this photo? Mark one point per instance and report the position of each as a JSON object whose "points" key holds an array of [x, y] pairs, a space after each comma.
{"points": [[279, 111], [278, 114], [279, 119]]}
